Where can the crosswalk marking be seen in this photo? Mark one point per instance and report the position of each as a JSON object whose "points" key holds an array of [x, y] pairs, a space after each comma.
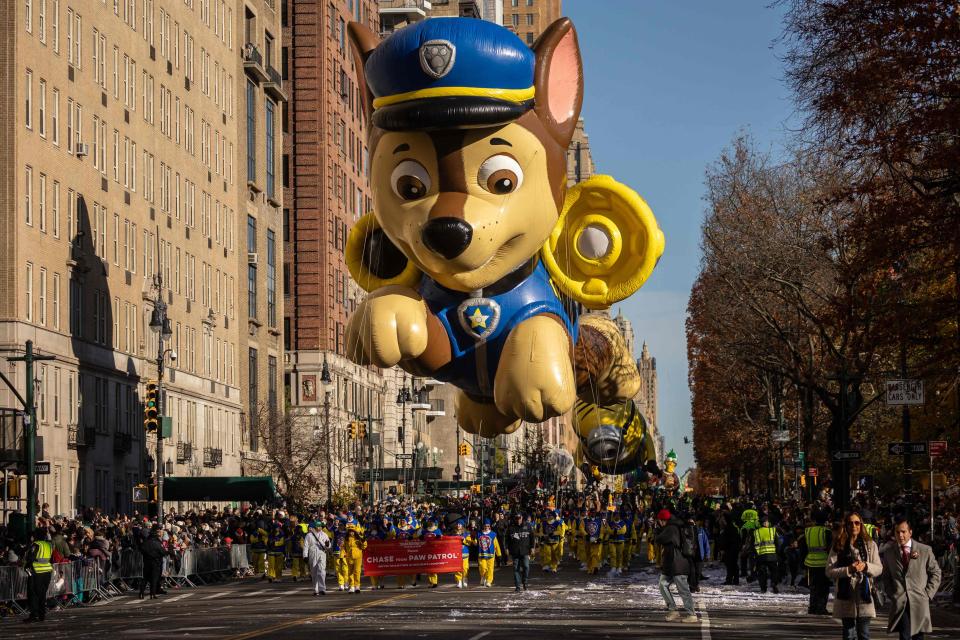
{"points": [[215, 595], [255, 593], [180, 597]]}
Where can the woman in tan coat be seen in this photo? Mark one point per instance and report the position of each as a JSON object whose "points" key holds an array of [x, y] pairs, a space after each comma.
{"points": [[854, 564]]}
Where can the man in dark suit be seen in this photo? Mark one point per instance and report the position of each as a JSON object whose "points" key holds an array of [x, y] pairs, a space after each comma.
{"points": [[911, 577]]}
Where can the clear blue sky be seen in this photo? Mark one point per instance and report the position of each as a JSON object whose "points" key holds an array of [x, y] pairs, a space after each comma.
{"points": [[668, 85]]}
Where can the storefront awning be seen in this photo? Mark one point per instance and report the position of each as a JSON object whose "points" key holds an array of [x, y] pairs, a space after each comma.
{"points": [[220, 489]]}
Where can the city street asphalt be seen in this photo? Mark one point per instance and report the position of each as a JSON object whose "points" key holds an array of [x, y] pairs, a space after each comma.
{"points": [[565, 605]]}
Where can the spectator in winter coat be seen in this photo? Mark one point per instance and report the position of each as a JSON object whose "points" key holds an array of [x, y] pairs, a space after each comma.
{"points": [[674, 567], [730, 543]]}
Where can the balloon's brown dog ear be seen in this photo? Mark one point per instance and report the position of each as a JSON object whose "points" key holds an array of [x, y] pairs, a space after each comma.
{"points": [[558, 80]]}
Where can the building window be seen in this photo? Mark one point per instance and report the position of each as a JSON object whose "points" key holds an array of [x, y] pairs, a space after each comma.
{"points": [[252, 392], [251, 132], [55, 118], [29, 290], [271, 279], [529, 37], [42, 128], [270, 160], [28, 195], [56, 301], [29, 100], [272, 382], [252, 290], [76, 308]]}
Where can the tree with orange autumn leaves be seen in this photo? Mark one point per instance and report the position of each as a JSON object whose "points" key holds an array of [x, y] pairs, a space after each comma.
{"points": [[840, 262]]}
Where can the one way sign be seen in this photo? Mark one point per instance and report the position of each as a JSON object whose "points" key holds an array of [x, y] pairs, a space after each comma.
{"points": [[846, 455], [906, 448]]}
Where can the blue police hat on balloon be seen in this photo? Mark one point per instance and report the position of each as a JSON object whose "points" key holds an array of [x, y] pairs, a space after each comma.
{"points": [[450, 72]]}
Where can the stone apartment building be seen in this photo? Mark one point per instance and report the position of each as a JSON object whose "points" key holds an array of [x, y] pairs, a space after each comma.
{"points": [[143, 164]]}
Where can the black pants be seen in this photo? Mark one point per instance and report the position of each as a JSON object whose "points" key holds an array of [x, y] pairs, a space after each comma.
{"points": [[733, 567], [694, 576], [521, 569], [903, 627], [37, 585], [819, 590], [151, 576], [768, 570]]}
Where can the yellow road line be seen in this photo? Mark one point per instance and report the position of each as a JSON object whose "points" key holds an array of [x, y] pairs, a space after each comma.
{"points": [[318, 617]]}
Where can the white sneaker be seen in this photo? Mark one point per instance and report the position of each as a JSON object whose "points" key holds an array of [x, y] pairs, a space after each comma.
{"points": [[690, 617], [341, 587], [460, 585], [488, 585], [352, 589], [465, 584], [672, 615]]}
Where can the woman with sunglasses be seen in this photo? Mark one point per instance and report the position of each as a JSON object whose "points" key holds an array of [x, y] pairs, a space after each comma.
{"points": [[854, 563]]}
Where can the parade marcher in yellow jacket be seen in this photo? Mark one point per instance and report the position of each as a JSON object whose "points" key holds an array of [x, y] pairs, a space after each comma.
{"points": [[551, 532], [468, 541], [258, 548], [298, 564], [616, 533], [432, 533], [353, 552], [384, 531], [338, 538], [592, 528], [489, 551], [276, 552], [405, 531]]}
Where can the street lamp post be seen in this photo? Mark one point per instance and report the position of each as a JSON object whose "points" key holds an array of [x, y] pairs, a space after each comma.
{"points": [[327, 383], [403, 397], [160, 325]]}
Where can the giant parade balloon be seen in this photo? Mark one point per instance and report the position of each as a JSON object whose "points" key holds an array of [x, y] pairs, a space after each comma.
{"points": [[482, 268]]}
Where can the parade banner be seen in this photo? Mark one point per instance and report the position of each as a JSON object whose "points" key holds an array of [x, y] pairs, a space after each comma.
{"points": [[396, 557]]}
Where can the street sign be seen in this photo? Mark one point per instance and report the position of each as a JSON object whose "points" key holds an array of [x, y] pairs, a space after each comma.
{"points": [[41, 468], [904, 392], [906, 448], [937, 448], [404, 456], [846, 455], [812, 472], [780, 435]]}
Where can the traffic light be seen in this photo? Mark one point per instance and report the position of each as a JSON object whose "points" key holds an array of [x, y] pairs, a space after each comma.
{"points": [[361, 430], [475, 488], [151, 409], [353, 430], [463, 449]]}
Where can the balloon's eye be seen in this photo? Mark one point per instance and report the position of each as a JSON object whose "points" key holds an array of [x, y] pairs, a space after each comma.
{"points": [[500, 174], [410, 180]]}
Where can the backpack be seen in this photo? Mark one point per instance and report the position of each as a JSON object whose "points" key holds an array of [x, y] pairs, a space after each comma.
{"points": [[688, 541]]}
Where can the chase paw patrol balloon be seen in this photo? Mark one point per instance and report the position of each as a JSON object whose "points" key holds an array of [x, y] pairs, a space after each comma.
{"points": [[478, 261]]}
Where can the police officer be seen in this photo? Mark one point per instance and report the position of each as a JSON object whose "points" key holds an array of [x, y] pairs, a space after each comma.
{"points": [[38, 566], [765, 545], [815, 548]]}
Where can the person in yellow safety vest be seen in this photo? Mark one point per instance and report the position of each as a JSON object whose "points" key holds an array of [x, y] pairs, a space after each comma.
{"points": [[552, 529], [765, 544], [489, 551], [616, 533], [338, 538], [592, 528], [353, 551], [38, 566], [298, 564], [468, 541], [276, 552], [815, 548], [258, 548]]}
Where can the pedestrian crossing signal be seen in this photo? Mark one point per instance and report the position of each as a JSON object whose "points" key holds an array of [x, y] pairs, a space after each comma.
{"points": [[151, 408]]}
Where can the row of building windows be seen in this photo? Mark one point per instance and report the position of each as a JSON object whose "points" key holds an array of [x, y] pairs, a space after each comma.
{"points": [[215, 82], [216, 152], [270, 136]]}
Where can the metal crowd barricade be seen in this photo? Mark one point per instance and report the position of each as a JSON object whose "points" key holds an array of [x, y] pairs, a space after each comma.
{"points": [[130, 567], [13, 587], [62, 584], [178, 568]]}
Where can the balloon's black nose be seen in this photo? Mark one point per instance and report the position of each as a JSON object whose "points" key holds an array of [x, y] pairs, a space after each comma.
{"points": [[448, 237]]}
